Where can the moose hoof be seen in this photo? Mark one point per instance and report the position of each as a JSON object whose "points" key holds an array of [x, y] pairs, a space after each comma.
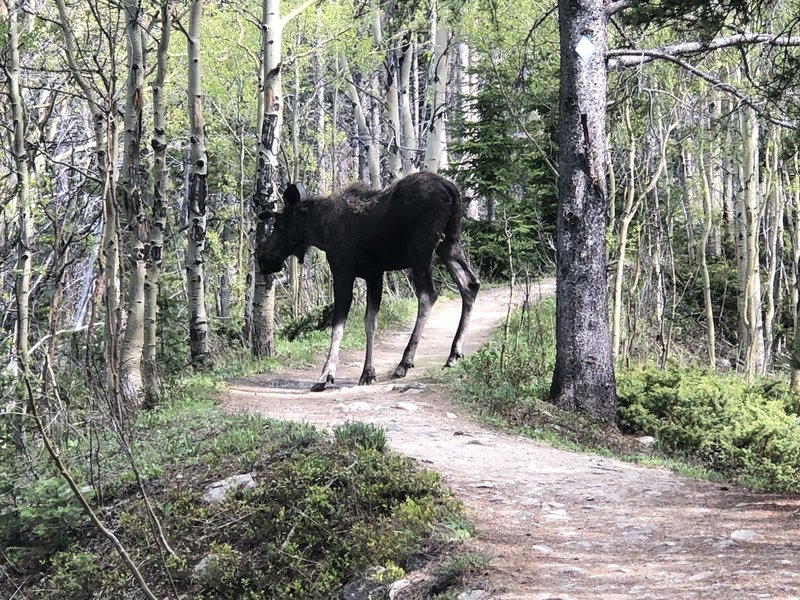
{"points": [[321, 386], [452, 359], [401, 370], [367, 378]]}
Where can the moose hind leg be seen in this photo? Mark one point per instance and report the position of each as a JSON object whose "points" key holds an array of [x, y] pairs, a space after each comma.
{"points": [[426, 297], [342, 299], [374, 293], [468, 285]]}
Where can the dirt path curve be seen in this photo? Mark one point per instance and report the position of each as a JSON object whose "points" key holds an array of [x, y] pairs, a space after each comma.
{"points": [[557, 525]]}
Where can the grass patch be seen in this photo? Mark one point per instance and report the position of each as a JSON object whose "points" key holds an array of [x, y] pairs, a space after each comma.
{"points": [[323, 510], [705, 425]]}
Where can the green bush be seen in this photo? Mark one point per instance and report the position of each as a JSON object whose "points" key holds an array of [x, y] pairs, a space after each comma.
{"points": [[750, 433], [361, 436]]}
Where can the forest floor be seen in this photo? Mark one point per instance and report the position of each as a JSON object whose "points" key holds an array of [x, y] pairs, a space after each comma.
{"points": [[555, 524]]}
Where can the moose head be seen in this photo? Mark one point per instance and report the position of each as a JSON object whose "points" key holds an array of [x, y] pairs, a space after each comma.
{"points": [[288, 232]]}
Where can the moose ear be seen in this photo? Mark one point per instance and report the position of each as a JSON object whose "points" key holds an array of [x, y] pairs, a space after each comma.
{"points": [[294, 193]]}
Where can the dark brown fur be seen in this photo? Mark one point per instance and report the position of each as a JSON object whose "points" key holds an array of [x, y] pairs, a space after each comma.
{"points": [[365, 233]]}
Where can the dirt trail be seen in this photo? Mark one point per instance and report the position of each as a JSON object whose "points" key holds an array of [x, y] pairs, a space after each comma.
{"points": [[557, 525]]}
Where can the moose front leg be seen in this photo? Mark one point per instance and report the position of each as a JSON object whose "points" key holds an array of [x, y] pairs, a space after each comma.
{"points": [[374, 294], [342, 299]]}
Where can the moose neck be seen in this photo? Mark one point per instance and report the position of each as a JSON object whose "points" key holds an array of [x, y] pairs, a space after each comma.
{"points": [[318, 232]]}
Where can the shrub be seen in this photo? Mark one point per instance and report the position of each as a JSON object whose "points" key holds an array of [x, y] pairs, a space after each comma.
{"points": [[745, 431]]}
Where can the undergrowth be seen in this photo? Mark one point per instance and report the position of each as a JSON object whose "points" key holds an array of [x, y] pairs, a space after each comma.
{"points": [[705, 424], [322, 511]]}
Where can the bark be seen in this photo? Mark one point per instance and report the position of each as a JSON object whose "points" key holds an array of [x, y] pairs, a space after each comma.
{"points": [[773, 229], [435, 143], [22, 192], [130, 189], [266, 192], [155, 245], [702, 253], [195, 249], [364, 135], [751, 343], [583, 378], [408, 148]]}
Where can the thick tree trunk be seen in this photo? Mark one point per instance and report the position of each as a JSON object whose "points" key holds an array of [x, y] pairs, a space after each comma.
{"points": [[195, 249], [155, 246], [133, 340], [584, 374]]}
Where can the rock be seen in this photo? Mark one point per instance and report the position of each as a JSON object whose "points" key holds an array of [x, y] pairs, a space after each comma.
{"points": [[572, 571], [451, 416], [556, 515], [218, 491], [366, 587], [541, 549], [473, 595], [409, 406], [201, 568], [701, 575], [638, 534], [408, 387], [355, 407], [726, 543], [646, 440], [497, 498], [746, 535], [616, 568], [397, 587]]}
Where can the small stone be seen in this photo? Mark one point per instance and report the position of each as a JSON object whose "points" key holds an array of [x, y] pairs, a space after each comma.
{"points": [[646, 440], [638, 534], [541, 549], [414, 385], [451, 416], [356, 407], [616, 568], [201, 567], [473, 595], [701, 575], [724, 544], [217, 491], [746, 535], [497, 498], [556, 505], [409, 406], [556, 515], [572, 571]]}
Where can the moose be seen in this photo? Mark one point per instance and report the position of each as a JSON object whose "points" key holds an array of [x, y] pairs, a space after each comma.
{"points": [[365, 233]]}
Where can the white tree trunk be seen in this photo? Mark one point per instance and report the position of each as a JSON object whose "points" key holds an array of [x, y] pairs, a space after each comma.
{"points": [[133, 340], [748, 206], [435, 141], [195, 249], [266, 190], [25, 224], [155, 247], [408, 148]]}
